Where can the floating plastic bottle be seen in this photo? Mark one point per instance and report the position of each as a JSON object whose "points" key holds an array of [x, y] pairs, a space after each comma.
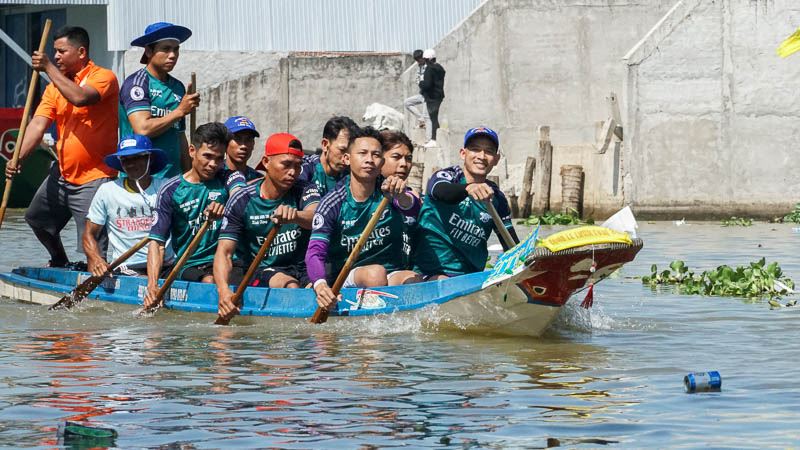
{"points": [[703, 382]]}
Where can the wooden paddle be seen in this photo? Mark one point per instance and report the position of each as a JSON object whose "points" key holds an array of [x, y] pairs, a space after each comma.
{"points": [[177, 269], [79, 293], [321, 314], [262, 252], [193, 114], [24, 123], [498, 224]]}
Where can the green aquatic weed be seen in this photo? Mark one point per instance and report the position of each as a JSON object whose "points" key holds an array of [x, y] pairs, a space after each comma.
{"points": [[737, 222], [550, 218], [793, 216], [756, 280]]}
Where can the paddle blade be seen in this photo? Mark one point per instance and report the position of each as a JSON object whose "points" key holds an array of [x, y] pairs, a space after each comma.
{"points": [[222, 320], [77, 295], [320, 316], [790, 45]]}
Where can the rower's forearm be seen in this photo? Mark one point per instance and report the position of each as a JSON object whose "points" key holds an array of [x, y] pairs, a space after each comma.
{"points": [[33, 136], [315, 260], [304, 218], [155, 260], [155, 126], [222, 269], [75, 94]]}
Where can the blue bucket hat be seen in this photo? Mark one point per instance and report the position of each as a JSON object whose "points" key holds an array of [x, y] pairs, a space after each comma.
{"points": [[482, 131], [239, 123], [134, 145], [159, 31]]}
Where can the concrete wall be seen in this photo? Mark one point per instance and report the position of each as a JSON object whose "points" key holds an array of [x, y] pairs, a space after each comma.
{"points": [[295, 92], [517, 64], [713, 112]]}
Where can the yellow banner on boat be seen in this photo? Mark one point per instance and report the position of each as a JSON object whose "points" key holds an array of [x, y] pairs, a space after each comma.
{"points": [[790, 45], [586, 235]]}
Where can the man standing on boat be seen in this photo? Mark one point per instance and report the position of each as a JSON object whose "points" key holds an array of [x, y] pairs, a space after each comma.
{"points": [[327, 169], [153, 103], [279, 200], [184, 202], [454, 222], [343, 215], [125, 206], [241, 146], [82, 99]]}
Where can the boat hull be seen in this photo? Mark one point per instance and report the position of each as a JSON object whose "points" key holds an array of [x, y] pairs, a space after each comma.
{"points": [[524, 303]]}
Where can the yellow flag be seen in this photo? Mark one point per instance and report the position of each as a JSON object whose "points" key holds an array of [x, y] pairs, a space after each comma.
{"points": [[790, 45]]}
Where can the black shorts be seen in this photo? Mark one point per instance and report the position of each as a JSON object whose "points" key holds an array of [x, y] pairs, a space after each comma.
{"points": [[197, 273], [263, 276]]}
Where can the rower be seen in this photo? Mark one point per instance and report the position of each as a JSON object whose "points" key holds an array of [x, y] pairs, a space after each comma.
{"points": [[343, 215], [155, 104], [125, 206], [327, 169], [82, 100], [397, 157], [241, 146], [279, 200], [454, 223], [184, 202]]}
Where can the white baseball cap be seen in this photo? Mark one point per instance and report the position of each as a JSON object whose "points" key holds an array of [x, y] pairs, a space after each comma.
{"points": [[429, 54]]}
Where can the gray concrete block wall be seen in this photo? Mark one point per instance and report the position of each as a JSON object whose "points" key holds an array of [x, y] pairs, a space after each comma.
{"points": [[281, 92], [713, 113], [515, 65]]}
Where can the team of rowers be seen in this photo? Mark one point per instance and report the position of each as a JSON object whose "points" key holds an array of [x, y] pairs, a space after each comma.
{"points": [[168, 188]]}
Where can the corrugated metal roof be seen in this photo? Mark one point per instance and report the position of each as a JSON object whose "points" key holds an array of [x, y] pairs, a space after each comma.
{"points": [[293, 25]]}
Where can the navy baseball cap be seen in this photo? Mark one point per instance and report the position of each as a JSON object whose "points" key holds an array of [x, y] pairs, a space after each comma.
{"points": [[134, 145], [239, 123], [482, 131]]}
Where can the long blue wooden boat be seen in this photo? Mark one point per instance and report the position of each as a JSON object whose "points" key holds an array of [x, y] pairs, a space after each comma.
{"points": [[521, 295]]}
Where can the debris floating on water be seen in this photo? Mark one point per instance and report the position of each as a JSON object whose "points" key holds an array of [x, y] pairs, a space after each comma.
{"points": [[709, 381], [85, 436]]}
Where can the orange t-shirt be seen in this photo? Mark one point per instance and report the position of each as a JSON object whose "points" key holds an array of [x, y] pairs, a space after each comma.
{"points": [[86, 134]]}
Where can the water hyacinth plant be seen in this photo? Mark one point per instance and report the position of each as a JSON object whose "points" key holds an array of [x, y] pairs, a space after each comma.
{"points": [[793, 216], [756, 280], [551, 218], [737, 222]]}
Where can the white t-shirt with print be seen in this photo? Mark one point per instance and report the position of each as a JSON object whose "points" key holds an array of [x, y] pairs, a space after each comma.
{"points": [[128, 217]]}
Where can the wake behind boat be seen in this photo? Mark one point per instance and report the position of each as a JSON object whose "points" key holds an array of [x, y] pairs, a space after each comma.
{"points": [[521, 295]]}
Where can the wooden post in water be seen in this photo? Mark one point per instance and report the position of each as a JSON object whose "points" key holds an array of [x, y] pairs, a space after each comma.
{"points": [[572, 190], [543, 171], [513, 202], [526, 195]]}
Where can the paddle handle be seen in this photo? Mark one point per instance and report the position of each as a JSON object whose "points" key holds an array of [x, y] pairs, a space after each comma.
{"points": [[193, 114], [179, 265], [321, 314], [498, 224], [86, 288], [24, 123], [262, 252]]}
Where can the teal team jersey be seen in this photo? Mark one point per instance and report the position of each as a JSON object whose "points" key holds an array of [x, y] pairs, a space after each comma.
{"points": [[313, 172], [451, 238], [247, 221], [143, 92], [340, 221], [179, 214]]}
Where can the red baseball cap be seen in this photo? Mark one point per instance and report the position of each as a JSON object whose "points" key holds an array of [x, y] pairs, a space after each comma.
{"points": [[281, 143]]}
